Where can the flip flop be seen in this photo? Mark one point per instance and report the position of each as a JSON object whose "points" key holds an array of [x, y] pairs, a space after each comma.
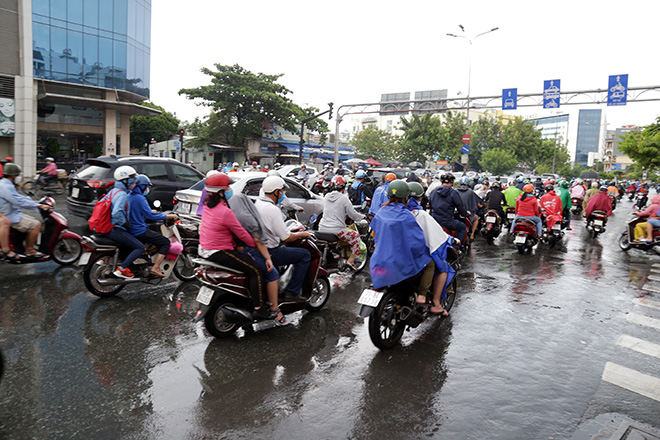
{"points": [[14, 259], [442, 313], [35, 255]]}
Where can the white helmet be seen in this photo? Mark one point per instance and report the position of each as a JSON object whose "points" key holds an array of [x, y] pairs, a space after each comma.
{"points": [[124, 172], [212, 172], [50, 159], [272, 184], [235, 165], [274, 173]]}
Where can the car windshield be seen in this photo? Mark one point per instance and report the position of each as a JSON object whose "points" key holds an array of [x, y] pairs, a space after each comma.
{"points": [[93, 172]]}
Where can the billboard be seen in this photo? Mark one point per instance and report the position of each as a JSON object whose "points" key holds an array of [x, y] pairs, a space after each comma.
{"points": [[7, 122]]}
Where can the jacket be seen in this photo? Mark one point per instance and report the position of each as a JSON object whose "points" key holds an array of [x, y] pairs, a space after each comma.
{"points": [[652, 210], [469, 198], [11, 202], [120, 216], [511, 194], [565, 197], [552, 205], [527, 207], [336, 207], [139, 211], [380, 197], [219, 225], [443, 200]]}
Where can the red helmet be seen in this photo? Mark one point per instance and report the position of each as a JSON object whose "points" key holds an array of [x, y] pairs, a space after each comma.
{"points": [[529, 188], [217, 182], [390, 177], [254, 163], [9, 159], [338, 182]]}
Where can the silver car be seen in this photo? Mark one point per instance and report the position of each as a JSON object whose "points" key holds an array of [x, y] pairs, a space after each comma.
{"points": [[187, 200]]}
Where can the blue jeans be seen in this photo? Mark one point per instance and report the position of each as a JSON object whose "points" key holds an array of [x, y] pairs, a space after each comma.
{"points": [[290, 255], [273, 275], [125, 239], [535, 219], [456, 225]]}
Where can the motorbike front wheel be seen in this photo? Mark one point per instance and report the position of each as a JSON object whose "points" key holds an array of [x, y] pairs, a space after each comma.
{"points": [[215, 322], [624, 242], [385, 328], [67, 251], [101, 269], [29, 188], [184, 269], [320, 294]]}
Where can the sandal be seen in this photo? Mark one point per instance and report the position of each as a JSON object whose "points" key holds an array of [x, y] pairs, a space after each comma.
{"points": [[282, 320], [157, 273], [37, 254], [442, 312], [15, 259]]}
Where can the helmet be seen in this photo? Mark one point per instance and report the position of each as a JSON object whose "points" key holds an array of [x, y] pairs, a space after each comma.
{"points": [[529, 188], [272, 184], [142, 180], [235, 165], [11, 169], [217, 182], [212, 172], [563, 184], [277, 165], [398, 189], [464, 180], [594, 184], [519, 179], [578, 180], [327, 165], [528, 180], [416, 189], [47, 201], [274, 173], [338, 182], [254, 163], [301, 166], [340, 166], [50, 159], [603, 188], [125, 172], [9, 159], [389, 177], [481, 180], [361, 174], [495, 185], [447, 178], [549, 187]]}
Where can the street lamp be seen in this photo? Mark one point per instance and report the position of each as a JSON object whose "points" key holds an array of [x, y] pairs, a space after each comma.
{"points": [[470, 66]]}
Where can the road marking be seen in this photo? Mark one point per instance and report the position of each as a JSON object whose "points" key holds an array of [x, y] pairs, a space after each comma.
{"points": [[647, 303], [639, 345], [655, 269], [643, 320], [632, 380], [656, 265], [653, 278], [651, 287]]}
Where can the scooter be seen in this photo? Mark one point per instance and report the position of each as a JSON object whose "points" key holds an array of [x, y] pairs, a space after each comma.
{"points": [[596, 223], [56, 241], [626, 241], [613, 201], [525, 236], [640, 201], [492, 226], [225, 303], [576, 206], [322, 186], [102, 256], [393, 309], [335, 252], [510, 215], [553, 226]]}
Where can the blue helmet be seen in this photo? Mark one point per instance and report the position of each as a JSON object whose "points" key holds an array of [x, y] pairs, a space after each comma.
{"points": [[464, 180], [361, 174], [142, 180], [519, 179]]}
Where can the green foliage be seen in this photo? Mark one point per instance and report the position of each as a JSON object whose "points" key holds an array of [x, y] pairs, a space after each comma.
{"points": [[486, 135], [498, 161], [643, 146], [570, 172], [450, 144], [160, 128], [242, 100], [52, 147], [376, 143], [97, 149], [421, 135]]}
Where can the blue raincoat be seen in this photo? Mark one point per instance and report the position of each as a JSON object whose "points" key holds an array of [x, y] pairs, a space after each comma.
{"points": [[401, 250]]}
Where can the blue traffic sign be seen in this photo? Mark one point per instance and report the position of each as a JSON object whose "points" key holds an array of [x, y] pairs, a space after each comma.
{"points": [[551, 93], [465, 149], [509, 99], [617, 90]]}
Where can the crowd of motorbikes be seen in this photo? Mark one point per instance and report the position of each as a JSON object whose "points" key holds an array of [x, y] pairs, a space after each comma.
{"points": [[224, 303]]}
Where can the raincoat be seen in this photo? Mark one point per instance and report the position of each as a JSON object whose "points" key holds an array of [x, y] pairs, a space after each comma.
{"points": [[511, 194], [437, 241], [552, 205], [565, 197], [380, 197], [400, 250]]}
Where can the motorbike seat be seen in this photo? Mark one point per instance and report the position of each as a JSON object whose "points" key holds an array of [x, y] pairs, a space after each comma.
{"points": [[326, 236], [104, 240], [525, 220], [204, 262]]}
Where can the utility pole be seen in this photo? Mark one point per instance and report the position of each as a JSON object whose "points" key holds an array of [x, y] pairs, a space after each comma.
{"points": [[302, 128]]}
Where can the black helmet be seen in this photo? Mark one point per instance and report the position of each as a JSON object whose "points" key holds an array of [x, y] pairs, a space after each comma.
{"points": [[549, 187], [398, 189], [447, 178]]}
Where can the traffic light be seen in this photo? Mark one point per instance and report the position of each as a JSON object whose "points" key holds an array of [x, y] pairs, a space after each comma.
{"points": [[181, 133], [330, 105]]}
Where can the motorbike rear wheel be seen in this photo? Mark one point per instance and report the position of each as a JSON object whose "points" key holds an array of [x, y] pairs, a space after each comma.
{"points": [[215, 322], [101, 269], [29, 188], [521, 249], [67, 251], [448, 302], [320, 294], [184, 269], [624, 242], [385, 328]]}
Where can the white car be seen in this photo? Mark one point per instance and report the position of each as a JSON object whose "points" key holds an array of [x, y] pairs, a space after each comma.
{"points": [[186, 201], [292, 171]]}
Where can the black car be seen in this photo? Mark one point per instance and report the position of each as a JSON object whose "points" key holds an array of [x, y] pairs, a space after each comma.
{"points": [[95, 179]]}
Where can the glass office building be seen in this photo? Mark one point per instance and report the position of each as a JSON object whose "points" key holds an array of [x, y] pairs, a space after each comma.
{"points": [[588, 135], [103, 43]]}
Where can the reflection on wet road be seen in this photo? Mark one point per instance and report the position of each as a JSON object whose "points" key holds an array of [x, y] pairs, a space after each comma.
{"points": [[535, 346]]}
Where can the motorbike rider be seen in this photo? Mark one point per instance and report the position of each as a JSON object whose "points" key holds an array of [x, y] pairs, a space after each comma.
{"points": [[650, 212], [565, 197], [49, 173], [336, 207], [11, 206], [495, 200], [303, 174], [275, 231], [578, 191], [234, 167], [125, 179], [527, 206], [599, 202], [216, 238], [511, 194], [328, 172], [443, 201], [551, 203], [380, 194], [472, 202], [255, 167], [591, 192], [437, 242], [138, 213], [341, 171], [359, 191], [482, 189], [520, 183]]}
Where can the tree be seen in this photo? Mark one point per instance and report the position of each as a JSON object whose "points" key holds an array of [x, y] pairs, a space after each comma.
{"points": [[643, 146], [524, 141], [421, 135], [498, 161], [159, 128], [242, 100], [486, 135], [450, 143], [376, 143]]}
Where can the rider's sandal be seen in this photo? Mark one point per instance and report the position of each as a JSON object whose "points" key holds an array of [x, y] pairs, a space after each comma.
{"points": [[282, 320], [442, 313], [35, 255], [156, 273], [14, 259]]}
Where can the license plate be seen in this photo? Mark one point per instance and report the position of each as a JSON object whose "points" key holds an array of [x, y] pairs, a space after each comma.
{"points": [[84, 258], [556, 227], [370, 297], [511, 216], [598, 222], [204, 296], [75, 192], [520, 239], [490, 220]]}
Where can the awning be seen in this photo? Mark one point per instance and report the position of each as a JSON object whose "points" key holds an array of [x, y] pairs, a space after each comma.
{"points": [[126, 108], [225, 147]]}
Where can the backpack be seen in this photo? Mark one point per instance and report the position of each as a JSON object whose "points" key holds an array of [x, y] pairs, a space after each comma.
{"points": [[354, 195], [100, 221]]}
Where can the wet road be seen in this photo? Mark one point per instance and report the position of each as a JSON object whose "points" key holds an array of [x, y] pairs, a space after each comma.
{"points": [[530, 351]]}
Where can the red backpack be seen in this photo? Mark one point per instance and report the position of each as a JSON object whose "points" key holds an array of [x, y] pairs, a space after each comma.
{"points": [[100, 221]]}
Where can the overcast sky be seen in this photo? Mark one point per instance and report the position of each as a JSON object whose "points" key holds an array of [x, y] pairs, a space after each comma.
{"points": [[352, 51]]}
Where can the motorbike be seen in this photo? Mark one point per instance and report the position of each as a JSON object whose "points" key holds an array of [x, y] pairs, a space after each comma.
{"points": [[552, 229], [393, 309], [225, 303], [492, 226], [335, 252], [640, 201], [510, 215], [576, 206], [627, 242], [56, 242], [525, 236], [322, 186], [30, 187], [596, 223], [465, 239], [613, 201], [102, 256]]}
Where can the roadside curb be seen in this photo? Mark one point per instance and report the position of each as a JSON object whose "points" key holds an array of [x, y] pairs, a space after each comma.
{"points": [[613, 426]]}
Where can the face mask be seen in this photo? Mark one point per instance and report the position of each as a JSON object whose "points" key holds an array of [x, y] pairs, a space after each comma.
{"points": [[281, 197], [146, 191], [17, 180], [229, 193]]}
